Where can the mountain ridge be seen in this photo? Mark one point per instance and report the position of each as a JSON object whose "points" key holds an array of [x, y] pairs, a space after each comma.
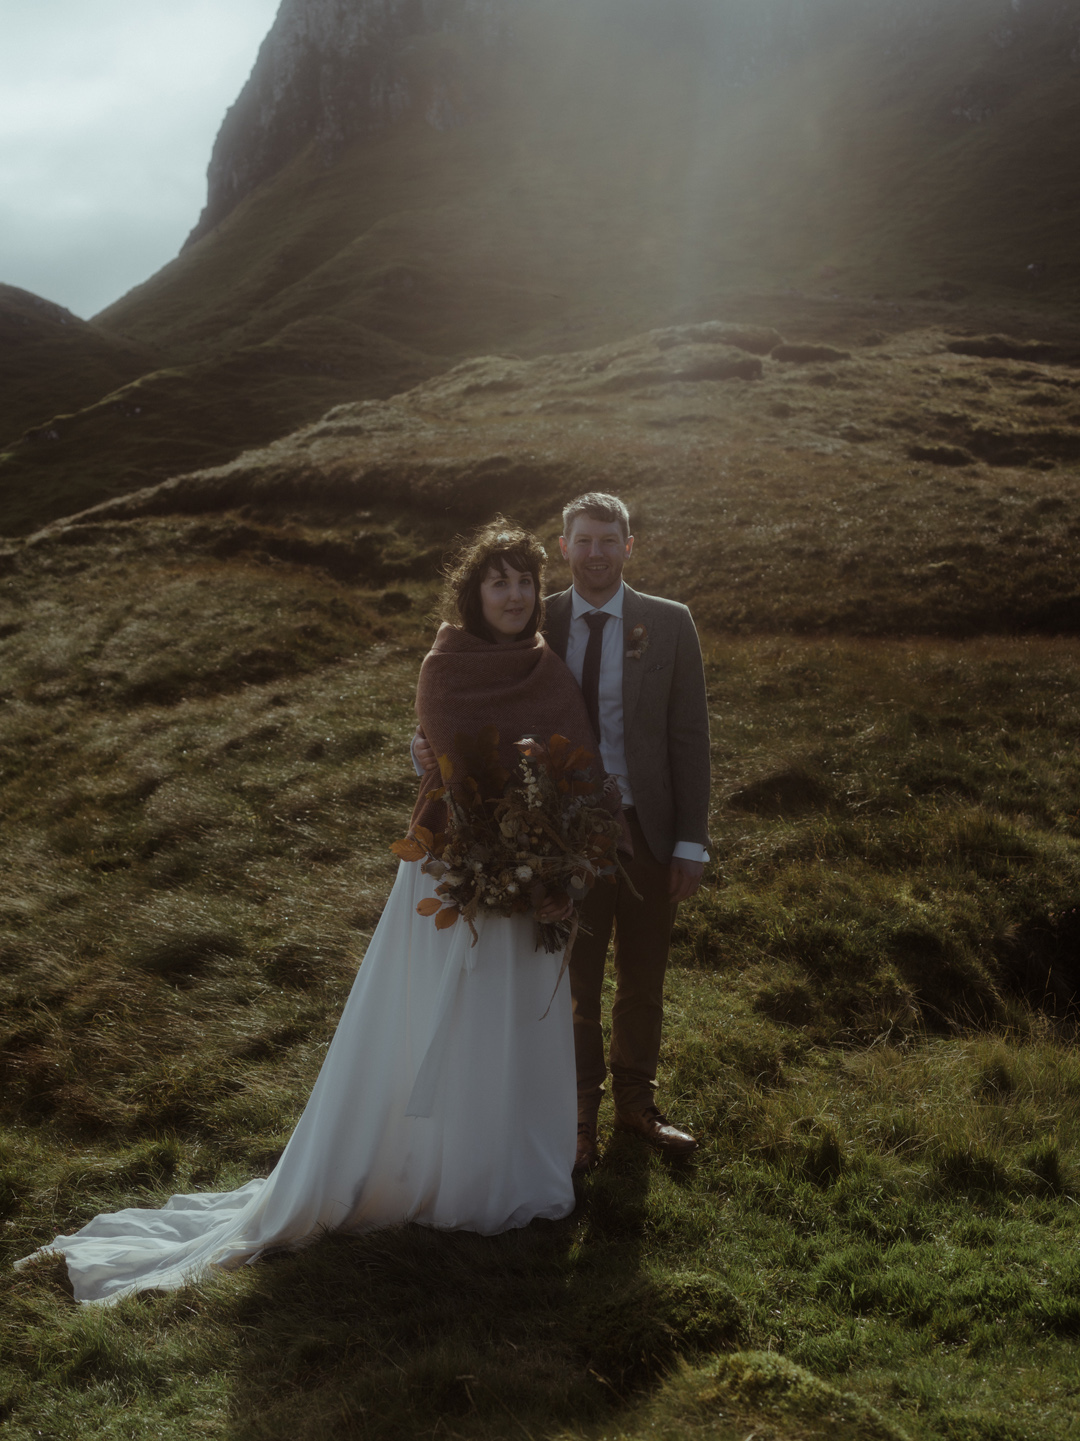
{"points": [[600, 185]]}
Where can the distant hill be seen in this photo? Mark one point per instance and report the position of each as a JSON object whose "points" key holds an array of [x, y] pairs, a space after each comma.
{"points": [[915, 484], [45, 347], [399, 188], [51, 364]]}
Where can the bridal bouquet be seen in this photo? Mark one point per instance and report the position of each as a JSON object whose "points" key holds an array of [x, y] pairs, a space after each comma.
{"points": [[514, 840]]}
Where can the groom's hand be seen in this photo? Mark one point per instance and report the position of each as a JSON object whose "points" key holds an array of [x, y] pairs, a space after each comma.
{"points": [[684, 877], [555, 908], [424, 752]]}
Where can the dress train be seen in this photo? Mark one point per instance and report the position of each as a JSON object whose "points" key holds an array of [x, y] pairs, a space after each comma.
{"points": [[447, 1097]]}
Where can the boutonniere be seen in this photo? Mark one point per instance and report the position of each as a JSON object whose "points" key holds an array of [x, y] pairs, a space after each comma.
{"points": [[639, 643]]}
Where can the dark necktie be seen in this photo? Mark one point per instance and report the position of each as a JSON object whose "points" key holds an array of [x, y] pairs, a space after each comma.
{"points": [[590, 671]]}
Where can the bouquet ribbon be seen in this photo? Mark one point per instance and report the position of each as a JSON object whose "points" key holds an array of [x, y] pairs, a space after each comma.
{"points": [[565, 963]]}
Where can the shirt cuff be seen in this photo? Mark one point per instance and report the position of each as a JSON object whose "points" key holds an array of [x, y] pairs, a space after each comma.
{"points": [[417, 767], [689, 851]]}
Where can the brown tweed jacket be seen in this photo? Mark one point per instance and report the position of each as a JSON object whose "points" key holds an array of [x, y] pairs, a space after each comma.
{"points": [[665, 716]]}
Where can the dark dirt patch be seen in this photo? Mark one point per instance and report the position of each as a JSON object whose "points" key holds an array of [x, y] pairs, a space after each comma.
{"points": [[808, 354], [941, 454], [786, 792]]}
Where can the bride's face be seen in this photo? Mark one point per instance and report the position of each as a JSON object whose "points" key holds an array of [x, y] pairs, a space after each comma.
{"points": [[507, 601]]}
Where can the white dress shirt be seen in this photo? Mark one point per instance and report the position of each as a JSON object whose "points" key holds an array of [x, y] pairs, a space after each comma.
{"points": [[612, 736]]}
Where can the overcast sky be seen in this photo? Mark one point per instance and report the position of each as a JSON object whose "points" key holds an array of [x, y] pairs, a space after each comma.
{"points": [[108, 113]]}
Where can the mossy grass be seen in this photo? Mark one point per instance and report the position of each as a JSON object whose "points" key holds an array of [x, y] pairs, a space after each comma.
{"points": [[869, 1025]]}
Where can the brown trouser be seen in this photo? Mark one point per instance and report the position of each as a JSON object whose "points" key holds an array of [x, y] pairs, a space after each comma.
{"points": [[642, 936]]}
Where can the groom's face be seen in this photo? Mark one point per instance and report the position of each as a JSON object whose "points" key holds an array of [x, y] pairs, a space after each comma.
{"points": [[596, 551]]}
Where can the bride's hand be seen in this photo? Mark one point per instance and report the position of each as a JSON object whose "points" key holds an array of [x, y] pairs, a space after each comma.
{"points": [[555, 908], [423, 751]]}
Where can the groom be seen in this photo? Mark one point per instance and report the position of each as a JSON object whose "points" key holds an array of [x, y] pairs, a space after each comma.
{"points": [[638, 661]]}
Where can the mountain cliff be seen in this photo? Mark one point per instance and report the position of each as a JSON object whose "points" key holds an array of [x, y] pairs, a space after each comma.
{"points": [[331, 71], [405, 183]]}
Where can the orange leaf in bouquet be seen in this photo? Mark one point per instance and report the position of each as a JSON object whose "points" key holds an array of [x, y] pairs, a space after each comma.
{"points": [[409, 849], [428, 906], [546, 831], [558, 749]]}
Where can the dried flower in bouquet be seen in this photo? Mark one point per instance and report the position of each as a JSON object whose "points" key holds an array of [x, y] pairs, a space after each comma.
{"points": [[512, 841]]}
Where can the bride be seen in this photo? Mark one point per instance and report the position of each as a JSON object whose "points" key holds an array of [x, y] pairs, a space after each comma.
{"points": [[448, 1094]]}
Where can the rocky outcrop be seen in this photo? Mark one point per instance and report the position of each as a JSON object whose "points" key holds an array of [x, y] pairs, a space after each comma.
{"points": [[332, 70]]}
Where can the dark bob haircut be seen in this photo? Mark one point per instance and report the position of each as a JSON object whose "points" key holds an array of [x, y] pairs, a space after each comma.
{"points": [[498, 544]]}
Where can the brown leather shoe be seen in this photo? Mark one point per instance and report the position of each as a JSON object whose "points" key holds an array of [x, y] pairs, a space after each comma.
{"points": [[655, 1128], [587, 1152]]}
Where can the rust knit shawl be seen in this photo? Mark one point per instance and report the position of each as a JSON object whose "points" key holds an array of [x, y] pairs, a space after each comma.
{"points": [[521, 687]]}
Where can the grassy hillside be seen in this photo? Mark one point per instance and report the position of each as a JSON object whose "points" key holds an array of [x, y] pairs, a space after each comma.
{"points": [[177, 418], [52, 362], [610, 183], [203, 723], [922, 483]]}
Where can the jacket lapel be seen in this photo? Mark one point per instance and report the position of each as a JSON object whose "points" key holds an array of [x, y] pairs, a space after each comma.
{"points": [[558, 612], [634, 610]]}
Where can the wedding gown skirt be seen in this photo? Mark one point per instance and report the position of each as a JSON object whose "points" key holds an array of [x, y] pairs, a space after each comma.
{"points": [[447, 1097]]}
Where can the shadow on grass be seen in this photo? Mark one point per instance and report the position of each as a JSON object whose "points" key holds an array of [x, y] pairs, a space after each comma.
{"points": [[418, 1332]]}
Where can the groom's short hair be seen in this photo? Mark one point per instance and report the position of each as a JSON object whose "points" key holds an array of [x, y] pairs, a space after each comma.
{"points": [[597, 505]]}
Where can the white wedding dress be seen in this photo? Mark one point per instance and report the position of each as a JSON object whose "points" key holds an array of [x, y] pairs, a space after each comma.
{"points": [[447, 1097]]}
